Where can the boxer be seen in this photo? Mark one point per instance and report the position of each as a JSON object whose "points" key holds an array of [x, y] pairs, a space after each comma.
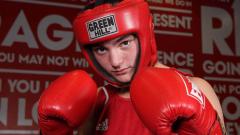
{"points": [[142, 96]]}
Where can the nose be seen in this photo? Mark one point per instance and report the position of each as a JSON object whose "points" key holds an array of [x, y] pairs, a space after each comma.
{"points": [[116, 59]]}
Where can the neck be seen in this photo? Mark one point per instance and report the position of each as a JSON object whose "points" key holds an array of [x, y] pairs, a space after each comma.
{"points": [[124, 91], [160, 65], [125, 94]]}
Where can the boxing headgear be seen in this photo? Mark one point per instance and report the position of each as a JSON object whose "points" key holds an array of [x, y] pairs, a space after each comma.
{"points": [[109, 21]]}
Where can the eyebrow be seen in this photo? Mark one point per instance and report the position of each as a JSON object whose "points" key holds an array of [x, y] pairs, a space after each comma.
{"points": [[117, 40], [121, 38]]}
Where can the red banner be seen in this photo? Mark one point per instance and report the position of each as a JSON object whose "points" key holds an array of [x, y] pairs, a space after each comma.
{"points": [[203, 38], [37, 45]]}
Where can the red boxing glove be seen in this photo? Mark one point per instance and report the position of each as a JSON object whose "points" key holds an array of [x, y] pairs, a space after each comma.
{"points": [[66, 103], [168, 103]]}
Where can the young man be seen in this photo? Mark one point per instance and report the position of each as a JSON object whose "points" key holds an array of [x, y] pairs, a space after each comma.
{"points": [[117, 39]]}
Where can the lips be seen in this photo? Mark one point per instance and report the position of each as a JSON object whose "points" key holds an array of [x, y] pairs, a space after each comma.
{"points": [[121, 71]]}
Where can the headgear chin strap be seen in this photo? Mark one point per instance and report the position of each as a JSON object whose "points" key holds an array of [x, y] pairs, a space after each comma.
{"points": [[107, 21]]}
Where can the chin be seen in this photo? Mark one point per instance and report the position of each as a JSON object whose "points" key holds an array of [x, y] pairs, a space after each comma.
{"points": [[124, 80]]}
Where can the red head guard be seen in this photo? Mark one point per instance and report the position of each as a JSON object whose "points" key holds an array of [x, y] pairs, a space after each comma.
{"points": [[107, 21]]}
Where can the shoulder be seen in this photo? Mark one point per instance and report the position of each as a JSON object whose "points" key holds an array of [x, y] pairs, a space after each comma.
{"points": [[203, 85], [207, 90], [210, 94]]}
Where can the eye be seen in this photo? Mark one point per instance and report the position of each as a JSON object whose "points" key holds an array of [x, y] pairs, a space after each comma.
{"points": [[100, 50], [125, 43]]}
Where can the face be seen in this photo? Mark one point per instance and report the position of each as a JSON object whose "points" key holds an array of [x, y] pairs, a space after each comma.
{"points": [[118, 57]]}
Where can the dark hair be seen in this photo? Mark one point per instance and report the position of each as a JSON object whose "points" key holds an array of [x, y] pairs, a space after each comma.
{"points": [[100, 2]]}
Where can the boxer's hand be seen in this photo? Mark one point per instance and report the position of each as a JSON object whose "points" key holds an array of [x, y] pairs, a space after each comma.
{"points": [[66, 103], [168, 103]]}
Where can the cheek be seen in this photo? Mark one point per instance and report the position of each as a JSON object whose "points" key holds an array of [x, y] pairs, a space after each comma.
{"points": [[102, 60], [133, 54]]}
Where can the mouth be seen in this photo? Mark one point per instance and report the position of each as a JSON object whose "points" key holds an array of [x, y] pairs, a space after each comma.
{"points": [[121, 71]]}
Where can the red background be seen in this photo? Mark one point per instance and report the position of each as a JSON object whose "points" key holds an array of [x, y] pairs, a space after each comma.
{"points": [[37, 45]]}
